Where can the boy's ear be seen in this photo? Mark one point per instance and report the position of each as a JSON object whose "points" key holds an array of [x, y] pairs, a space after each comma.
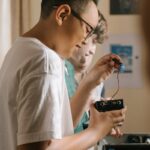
{"points": [[62, 13]]}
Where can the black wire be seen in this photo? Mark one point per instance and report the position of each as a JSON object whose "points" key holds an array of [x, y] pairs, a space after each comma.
{"points": [[118, 86]]}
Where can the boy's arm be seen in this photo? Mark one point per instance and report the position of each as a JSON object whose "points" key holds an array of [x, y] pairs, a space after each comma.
{"points": [[78, 141], [100, 125], [100, 72]]}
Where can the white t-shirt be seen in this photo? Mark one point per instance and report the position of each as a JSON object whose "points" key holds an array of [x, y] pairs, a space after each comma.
{"points": [[34, 104], [96, 93]]}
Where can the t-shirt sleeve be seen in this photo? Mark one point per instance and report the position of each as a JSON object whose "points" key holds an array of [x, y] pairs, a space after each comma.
{"points": [[38, 109]]}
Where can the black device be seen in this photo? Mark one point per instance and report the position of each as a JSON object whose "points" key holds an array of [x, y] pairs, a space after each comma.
{"points": [[121, 65], [127, 147], [116, 61], [109, 105]]}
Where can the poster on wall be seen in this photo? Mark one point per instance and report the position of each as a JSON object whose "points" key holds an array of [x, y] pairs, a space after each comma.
{"points": [[118, 7], [129, 48], [126, 53]]}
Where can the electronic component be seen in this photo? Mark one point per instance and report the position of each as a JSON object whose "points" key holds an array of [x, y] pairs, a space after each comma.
{"points": [[121, 65], [109, 105]]}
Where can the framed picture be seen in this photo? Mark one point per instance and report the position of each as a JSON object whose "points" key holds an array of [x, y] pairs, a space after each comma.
{"points": [[126, 53], [120, 7], [129, 48]]}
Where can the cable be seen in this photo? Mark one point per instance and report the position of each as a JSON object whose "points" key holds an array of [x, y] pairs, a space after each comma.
{"points": [[118, 86]]}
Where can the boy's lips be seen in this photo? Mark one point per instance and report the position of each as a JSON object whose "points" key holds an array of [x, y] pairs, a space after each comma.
{"points": [[82, 65]]}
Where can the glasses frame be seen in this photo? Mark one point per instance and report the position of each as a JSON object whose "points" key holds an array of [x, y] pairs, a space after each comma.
{"points": [[75, 14]]}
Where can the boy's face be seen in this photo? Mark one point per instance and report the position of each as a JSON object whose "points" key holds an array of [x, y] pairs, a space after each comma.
{"points": [[82, 57], [75, 29]]}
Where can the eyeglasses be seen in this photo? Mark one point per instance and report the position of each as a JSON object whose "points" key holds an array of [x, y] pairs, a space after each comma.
{"points": [[92, 30], [75, 14]]}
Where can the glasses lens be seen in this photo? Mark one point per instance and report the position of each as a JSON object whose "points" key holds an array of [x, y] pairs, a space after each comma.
{"points": [[88, 26]]}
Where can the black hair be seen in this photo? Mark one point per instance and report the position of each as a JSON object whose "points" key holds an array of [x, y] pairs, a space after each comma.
{"points": [[77, 5]]}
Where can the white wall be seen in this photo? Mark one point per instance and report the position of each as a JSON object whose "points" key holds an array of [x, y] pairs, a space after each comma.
{"points": [[35, 9], [137, 100], [5, 29]]}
